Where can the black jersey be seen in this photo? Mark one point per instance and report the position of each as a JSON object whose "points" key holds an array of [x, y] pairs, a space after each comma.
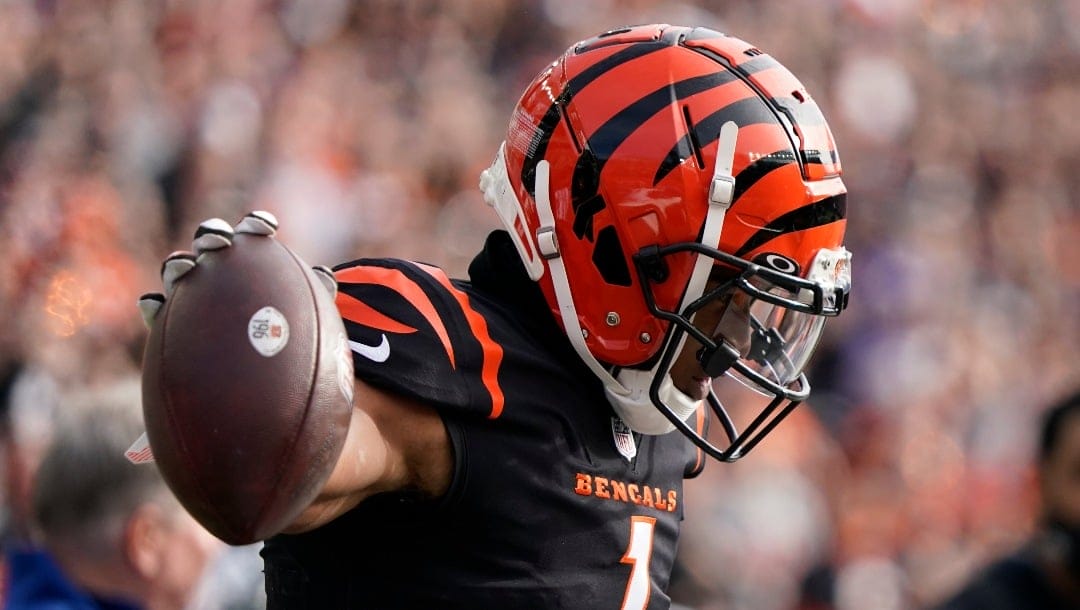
{"points": [[553, 503]]}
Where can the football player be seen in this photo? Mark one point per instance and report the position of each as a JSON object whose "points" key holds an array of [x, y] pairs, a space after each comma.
{"points": [[674, 214]]}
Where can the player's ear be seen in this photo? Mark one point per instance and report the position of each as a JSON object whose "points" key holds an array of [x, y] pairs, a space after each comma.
{"points": [[142, 539]]}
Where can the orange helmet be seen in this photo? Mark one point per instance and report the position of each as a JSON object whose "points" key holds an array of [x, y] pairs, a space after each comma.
{"points": [[643, 161]]}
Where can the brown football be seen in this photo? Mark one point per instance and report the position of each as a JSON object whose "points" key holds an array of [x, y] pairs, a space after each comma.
{"points": [[247, 388]]}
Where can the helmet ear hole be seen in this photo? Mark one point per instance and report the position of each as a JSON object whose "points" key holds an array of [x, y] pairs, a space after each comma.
{"points": [[608, 258], [585, 193]]}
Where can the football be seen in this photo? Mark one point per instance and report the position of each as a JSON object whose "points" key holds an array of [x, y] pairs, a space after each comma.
{"points": [[247, 388]]}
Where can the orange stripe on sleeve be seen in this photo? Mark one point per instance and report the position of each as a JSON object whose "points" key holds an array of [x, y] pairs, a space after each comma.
{"points": [[493, 352], [413, 293], [352, 308]]}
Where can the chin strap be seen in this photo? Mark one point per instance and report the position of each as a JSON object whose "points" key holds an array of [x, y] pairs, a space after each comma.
{"points": [[636, 407], [563, 295], [721, 192]]}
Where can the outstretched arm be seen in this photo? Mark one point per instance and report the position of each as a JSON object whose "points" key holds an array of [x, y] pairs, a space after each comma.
{"points": [[245, 446], [393, 443]]}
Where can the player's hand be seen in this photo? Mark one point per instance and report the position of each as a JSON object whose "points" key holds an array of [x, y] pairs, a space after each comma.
{"points": [[212, 235]]}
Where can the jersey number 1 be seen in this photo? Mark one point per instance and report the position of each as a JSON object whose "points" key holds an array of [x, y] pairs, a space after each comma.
{"points": [[638, 553]]}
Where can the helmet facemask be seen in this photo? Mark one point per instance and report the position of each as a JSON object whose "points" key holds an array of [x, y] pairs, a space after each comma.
{"points": [[781, 316]]}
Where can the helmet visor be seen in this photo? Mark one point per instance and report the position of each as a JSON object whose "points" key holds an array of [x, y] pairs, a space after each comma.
{"points": [[776, 341]]}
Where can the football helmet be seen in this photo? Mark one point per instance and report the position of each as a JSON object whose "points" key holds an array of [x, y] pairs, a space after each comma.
{"points": [[654, 169]]}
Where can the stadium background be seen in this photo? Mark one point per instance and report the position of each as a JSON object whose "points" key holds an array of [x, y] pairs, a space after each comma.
{"points": [[364, 125]]}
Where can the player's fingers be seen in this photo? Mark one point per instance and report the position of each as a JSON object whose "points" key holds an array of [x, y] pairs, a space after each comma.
{"points": [[258, 222], [326, 276], [174, 267], [212, 234], [149, 305]]}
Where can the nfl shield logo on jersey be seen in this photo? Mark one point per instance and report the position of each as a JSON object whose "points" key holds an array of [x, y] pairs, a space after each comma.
{"points": [[624, 438]]}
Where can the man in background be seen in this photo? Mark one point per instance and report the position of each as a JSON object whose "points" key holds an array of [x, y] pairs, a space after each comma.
{"points": [[1045, 572], [113, 527]]}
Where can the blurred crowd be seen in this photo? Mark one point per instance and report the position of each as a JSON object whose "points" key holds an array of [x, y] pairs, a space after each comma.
{"points": [[363, 125]]}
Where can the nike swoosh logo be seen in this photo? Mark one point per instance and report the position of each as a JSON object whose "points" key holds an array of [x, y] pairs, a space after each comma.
{"points": [[377, 353]]}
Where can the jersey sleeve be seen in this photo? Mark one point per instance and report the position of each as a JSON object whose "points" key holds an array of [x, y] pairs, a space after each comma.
{"points": [[415, 332], [412, 331]]}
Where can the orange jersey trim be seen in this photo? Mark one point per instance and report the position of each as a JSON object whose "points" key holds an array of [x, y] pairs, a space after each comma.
{"points": [[699, 425], [352, 308], [493, 352], [410, 290]]}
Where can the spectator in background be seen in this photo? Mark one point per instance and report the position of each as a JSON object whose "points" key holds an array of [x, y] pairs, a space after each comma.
{"points": [[31, 579], [1045, 572], [112, 526]]}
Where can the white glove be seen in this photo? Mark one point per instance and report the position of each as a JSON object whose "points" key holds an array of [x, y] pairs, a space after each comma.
{"points": [[214, 234]]}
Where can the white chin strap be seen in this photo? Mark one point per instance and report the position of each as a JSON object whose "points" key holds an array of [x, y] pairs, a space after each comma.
{"points": [[637, 408], [628, 393]]}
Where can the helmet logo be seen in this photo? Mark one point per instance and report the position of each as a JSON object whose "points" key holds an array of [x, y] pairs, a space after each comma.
{"points": [[779, 262]]}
